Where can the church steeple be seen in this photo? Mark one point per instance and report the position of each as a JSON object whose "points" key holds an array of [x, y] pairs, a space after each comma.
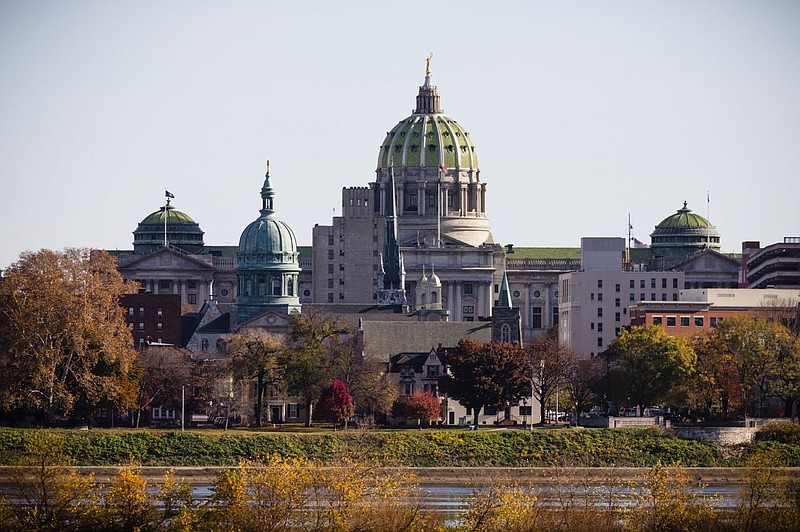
{"points": [[267, 193], [391, 276], [504, 301]]}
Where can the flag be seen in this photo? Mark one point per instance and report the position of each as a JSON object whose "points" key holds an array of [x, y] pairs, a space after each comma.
{"points": [[638, 243], [168, 194]]}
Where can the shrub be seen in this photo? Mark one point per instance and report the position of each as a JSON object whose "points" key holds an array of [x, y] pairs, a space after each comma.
{"points": [[780, 432]]}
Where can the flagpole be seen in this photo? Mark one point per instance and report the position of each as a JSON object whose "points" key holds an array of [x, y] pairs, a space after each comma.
{"points": [[708, 219], [166, 212]]}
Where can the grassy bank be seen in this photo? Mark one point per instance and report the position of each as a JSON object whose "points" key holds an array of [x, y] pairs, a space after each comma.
{"points": [[440, 448]]}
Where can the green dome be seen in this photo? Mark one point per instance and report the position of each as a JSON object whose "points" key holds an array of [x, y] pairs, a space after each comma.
{"points": [[683, 219], [428, 138], [428, 141], [182, 231], [683, 234]]}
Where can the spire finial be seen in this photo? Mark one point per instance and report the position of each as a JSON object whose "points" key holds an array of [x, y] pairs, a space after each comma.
{"points": [[684, 203], [267, 192], [428, 64]]}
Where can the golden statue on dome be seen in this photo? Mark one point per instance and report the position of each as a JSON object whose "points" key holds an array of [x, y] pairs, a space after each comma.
{"points": [[428, 64]]}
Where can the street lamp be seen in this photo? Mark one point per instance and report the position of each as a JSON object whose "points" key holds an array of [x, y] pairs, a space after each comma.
{"points": [[541, 390]]}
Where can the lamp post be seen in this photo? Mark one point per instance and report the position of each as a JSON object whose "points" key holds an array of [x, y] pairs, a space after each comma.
{"points": [[541, 390]]}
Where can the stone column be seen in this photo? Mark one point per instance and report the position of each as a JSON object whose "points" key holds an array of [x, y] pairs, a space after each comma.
{"points": [[459, 314], [478, 202], [383, 199], [451, 300], [547, 320], [463, 209], [481, 300], [490, 292], [401, 204], [422, 199], [183, 292]]}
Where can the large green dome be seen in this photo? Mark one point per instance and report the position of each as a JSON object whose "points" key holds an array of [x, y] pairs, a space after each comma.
{"points": [[181, 231], [428, 140], [683, 234]]}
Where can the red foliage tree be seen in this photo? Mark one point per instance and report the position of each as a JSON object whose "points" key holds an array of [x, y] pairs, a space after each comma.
{"points": [[423, 406], [335, 403]]}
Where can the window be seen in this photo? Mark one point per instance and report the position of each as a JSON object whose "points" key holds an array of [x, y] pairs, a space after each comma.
{"points": [[130, 326], [663, 297], [469, 318], [432, 389], [536, 317], [599, 341], [204, 344], [698, 321], [536, 293], [164, 285], [670, 321], [652, 297], [505, 333], [599, 312], [712, 321], [616, 331], [641, 297], [657, 320], [496, 288], [406, 372], [674, 297], [141, 325], [467, 289], [141, 311], [600, 327], [330, 269], [599, 283], [631, 297], [616, 288], [330, 298], [160, 311], [141, 341], [330, 240], [599, 296], [431, 200], [159, 326], [130, 311], [432, 371], [591, 326], [675, 283], [293, 410], [412, 199], [664, 282], [616, 316], [525, 410], [632, 284], [591, 296], [624, 312], [192, 285], [468, 309], [330, 283], [490, 410], [191, 299], [408, 388], [652, 283], [330, 254], [684, 321], [616, 302], [641, 283]]}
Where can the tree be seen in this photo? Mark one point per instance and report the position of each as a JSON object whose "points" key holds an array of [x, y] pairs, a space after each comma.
{"points": [[364, 376], [423, 405], [306, 364], [164, 372], [66, 348], [254, 354], [716, 383], [754, 345], [335, 403], [583, 378], [484, 375], [548, 366], [650, 365]]}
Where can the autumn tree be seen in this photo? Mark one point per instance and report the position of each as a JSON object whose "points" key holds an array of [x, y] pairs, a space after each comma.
{"points": [[363, 374], [335, 403], [423, 405], [66, 348], [484, 375], [547, 366], [254, 354], [582, 380], [649, 365], [163, 373], [716, 383], [305, 365]]}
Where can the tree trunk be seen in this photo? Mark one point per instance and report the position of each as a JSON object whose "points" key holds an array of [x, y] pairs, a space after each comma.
{"points": [[259, 398], [542, 412], [788, 403], [310, 412], [475, 416]]}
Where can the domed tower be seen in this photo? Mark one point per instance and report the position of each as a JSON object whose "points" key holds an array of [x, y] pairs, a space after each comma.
{"points": [[439, 194], [683, 234], [179, 231], [267, 263]]}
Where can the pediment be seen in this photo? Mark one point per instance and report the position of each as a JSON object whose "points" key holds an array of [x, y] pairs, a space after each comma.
{"points": [[428, 239], [166, 259], [267, 320], [708, 261]]}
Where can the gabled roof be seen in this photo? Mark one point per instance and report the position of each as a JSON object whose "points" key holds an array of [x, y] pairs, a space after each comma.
{"points": [[389, 338], [186, 258], [704, 253]]}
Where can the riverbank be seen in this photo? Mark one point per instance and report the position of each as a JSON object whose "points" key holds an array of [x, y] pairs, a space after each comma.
{"points": [[460, 476], [559, 448]]}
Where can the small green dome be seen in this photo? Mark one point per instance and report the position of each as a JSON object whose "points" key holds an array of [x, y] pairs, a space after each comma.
{"points": [[182, 231], [684, 233], [683, 219], [267, 241]]}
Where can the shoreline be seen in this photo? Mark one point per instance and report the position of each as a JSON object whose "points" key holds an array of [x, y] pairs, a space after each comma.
{"points": [[458, 476]]}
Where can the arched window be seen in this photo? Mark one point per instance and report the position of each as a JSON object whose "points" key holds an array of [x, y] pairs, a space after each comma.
{"points": [[434, 297], [204, 344], [422, 300], [505, 333]]}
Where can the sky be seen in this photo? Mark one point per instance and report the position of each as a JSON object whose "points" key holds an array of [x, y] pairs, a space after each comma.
{"points": [[582, 112]]}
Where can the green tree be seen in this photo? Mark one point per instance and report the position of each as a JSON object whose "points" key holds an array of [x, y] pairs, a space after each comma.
{"points": [[650, 366], [754, 345], [583, 379], [66, 348], [485, 375], [254, 354], [306, 364]]}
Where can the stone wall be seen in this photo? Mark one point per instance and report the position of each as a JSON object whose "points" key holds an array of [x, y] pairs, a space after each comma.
{"points": [[721, 435]]}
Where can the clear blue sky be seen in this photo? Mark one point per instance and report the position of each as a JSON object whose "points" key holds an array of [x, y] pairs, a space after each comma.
{"points": [[582, 112]]}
